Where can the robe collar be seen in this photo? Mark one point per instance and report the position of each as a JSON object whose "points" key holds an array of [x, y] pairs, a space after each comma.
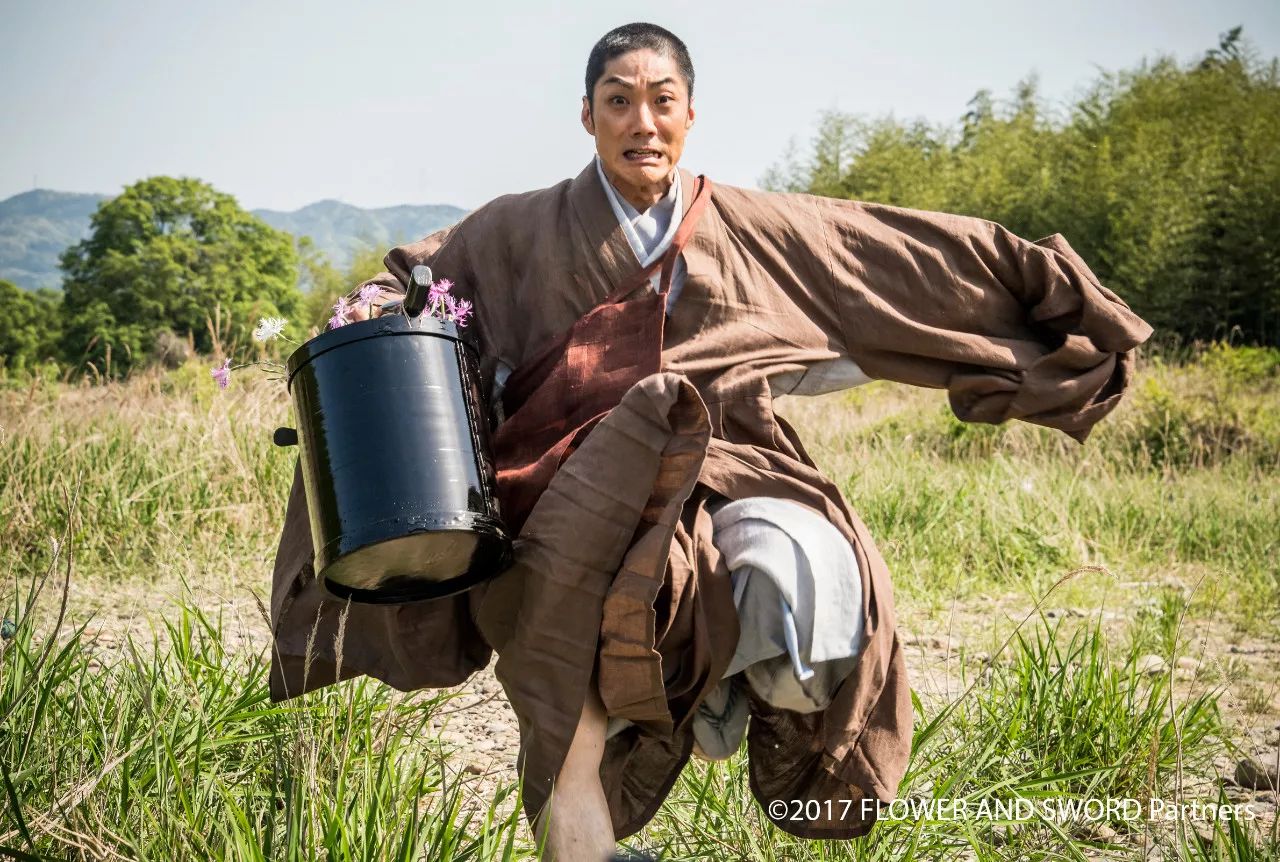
{"points": [[600, 226]]}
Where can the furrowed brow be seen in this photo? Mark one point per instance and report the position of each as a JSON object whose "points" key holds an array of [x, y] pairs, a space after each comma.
{"points": [[623, 82]]}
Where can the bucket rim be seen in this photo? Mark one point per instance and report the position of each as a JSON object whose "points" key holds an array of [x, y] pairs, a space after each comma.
{"points": [[360, 330]]}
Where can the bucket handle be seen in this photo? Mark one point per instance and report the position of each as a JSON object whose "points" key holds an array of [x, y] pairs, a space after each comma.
{"points": [[415, 300]]}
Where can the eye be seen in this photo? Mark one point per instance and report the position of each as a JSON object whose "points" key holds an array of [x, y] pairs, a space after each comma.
{"points": [[617, 100]]}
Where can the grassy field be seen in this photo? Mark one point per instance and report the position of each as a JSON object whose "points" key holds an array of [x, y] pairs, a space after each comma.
{"points": [[1083, 622]]}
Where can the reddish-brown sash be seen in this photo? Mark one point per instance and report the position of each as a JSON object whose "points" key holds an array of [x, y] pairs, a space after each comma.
{"points": [[554, 399]]}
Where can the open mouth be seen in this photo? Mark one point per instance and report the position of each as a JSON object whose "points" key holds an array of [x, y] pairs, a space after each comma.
{"points": [[640, 155]]}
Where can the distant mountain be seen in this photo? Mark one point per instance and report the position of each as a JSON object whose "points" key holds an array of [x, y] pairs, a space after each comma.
{"points": [[340, 229], [37, 226]]}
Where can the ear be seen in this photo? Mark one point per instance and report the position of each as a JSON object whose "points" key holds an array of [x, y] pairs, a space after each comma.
{"points": [[688, 123], [588, 122]]}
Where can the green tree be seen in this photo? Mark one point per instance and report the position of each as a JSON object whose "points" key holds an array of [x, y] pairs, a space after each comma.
{"points": [[171, 254], [323, 282], [31, 326]]}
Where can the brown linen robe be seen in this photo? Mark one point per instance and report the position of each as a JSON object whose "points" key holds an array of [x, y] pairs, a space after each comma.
{"points": [[615, 575]]}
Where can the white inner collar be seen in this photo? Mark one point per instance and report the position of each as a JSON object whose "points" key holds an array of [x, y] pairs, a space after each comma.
{"points": [[649, 233]]}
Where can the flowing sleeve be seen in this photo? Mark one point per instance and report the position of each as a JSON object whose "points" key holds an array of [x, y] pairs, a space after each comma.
{"points": [[1012, 329]]}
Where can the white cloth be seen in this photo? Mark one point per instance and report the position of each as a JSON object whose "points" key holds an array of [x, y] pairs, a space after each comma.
{"points": [[798, 593], [651, 232]]}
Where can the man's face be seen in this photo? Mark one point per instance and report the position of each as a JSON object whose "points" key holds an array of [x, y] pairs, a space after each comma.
{"points": [[640, 114]]}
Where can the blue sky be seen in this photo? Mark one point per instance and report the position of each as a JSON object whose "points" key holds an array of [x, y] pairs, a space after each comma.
{"points": [[377, 103]]}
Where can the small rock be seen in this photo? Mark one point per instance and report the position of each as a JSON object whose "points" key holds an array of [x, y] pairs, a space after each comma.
{"points": [[1104, 832], [1186, 662], [1253, 774], [1203, 832], [474, 768], [1151, 665], [1055, 613], [8, 628]]}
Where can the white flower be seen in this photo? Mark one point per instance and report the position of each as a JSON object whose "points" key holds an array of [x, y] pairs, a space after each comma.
{"points": [[268, 328], [1027, 485]]}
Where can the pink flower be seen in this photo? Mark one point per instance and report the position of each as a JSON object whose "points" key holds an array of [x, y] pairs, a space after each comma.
{"points": [[439, 290], [460, 311], [340, 309], [222, 375], [368, 294]]}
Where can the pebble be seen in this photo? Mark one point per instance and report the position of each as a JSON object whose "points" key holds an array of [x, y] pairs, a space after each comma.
{"points": [[1257, 775], [1151, 665], [1104, 832]]}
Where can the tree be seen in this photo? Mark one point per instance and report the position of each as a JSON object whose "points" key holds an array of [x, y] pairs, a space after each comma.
{"points": [[171, 254], [323, 283], [31, 326]]}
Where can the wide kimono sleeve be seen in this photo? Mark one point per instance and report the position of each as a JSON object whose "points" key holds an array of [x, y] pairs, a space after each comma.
{"points": [[1012, 329]]}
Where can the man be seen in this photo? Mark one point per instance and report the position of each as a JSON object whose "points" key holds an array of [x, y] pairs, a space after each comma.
{"points": [[621, 626]]}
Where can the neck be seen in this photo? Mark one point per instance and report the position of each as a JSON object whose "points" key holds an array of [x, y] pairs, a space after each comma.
{"points": [[643, 196]]}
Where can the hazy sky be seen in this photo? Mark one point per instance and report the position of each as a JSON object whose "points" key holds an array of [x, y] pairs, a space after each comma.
{"points": [[378, 103]]}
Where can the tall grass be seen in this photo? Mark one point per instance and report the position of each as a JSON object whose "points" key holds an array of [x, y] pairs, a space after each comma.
{"points": [[172, 750]]}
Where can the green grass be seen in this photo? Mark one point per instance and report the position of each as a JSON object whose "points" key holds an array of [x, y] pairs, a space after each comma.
{"points": [[172, 750], [154, 738]]}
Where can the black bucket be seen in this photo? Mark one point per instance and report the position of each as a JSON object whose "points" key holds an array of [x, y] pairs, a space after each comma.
{"points": [[396, 461]]}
